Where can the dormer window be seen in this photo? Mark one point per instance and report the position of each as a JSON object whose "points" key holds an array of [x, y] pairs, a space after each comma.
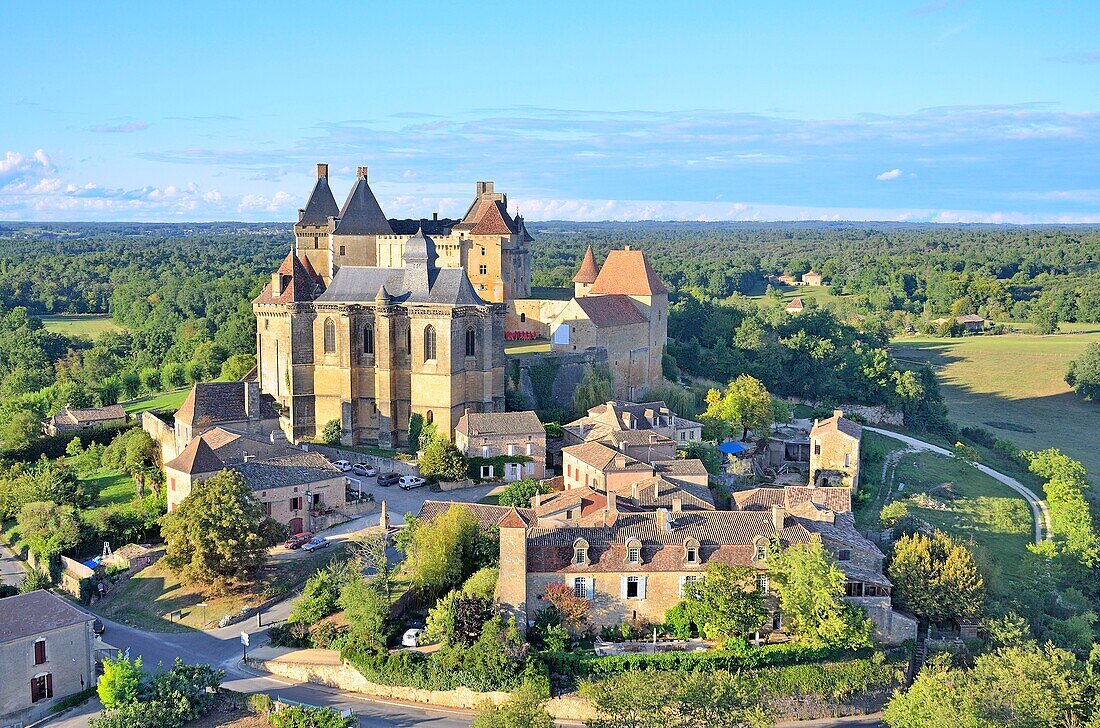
{"points": [[691, 551], [844, 555], [634, 555], [761, 551], [580, 552]]}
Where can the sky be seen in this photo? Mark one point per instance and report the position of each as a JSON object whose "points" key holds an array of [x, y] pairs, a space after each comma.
{"points": [[936, 111]]}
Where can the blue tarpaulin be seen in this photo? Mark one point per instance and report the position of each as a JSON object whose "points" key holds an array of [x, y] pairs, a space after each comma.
{"points": [[732, 448]]}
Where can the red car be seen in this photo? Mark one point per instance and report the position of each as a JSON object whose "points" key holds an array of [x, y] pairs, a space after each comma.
{"points": [[297, 540]]}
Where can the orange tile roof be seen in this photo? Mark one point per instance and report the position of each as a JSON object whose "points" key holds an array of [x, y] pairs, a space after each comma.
{"points": [[588, 270], [628, 272]]}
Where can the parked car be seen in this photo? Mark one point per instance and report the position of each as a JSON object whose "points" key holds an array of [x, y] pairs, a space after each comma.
{"points": [[342, 465], [364, 469], [97, 627], [387, 479], [298, 540], [317, 542], [411, 637], [408, 482]]}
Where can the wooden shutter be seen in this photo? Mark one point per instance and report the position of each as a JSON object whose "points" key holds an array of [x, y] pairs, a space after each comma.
{"points": [[622, 585], [39, 652], [641, 586], [683, 581], [34, 690], [591, 586], [49, 685]]}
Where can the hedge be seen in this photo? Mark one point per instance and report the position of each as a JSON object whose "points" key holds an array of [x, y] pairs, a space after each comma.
{"points": [[53, 446], [417, 670], [786, 653]]}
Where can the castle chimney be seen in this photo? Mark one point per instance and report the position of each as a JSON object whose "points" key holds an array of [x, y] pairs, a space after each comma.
{"points": [[435, 217], [634, 490], [677, 504], [361, 173], [322, 171], [276, 284], [252, 400], [778, 515], [838, 413], [664, 523]]}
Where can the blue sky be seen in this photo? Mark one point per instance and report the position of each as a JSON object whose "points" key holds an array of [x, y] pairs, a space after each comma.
{"points": [[942, 111]]}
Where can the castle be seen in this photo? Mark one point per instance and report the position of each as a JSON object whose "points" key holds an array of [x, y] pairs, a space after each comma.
{"points": [[372, 320]]}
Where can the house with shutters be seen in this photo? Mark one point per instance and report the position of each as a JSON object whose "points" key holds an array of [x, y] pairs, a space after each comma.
{"points": [[518, 438], [616, 421], [47, 653]]}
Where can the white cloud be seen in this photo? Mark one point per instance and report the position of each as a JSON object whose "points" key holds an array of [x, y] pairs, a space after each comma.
{"points": [[275, 203], [886, 176], [212, 197], [17, 169]]}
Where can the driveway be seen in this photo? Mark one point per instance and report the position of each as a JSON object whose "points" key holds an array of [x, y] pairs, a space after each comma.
{"points": [[1039, 512], [11, 568], [399, 502]]}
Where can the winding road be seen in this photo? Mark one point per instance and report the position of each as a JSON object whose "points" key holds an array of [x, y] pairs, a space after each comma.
{"points": [[1039, 512]]}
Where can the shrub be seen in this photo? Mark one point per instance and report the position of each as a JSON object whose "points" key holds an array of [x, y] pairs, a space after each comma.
{"points": [[331, 432], [520, 493], [289, 634], [294, 716]]}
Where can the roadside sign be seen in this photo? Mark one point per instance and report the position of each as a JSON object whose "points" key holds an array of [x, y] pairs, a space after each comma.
{"points": [[244, 638]]}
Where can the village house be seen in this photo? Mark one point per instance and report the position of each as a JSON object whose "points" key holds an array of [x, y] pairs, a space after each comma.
{"points": [[970, 323], [795, 305], [603, 422], [75, 420], [504, 434], [812, 279], [47, 653], [834, 451]]}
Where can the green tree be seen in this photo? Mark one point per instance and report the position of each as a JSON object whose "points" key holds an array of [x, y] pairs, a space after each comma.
{"points": [[521, 492], [1045, 321], [810, 587], [367, 610], [319, 597], [20, 429], [1065, 481], [523, 710], [34, 580], [893, 512], [236, 367], [744, 405], [173, 375], [442, 552], [935, 577], [120, 681], [596, 387], [416, 426], [718, 700], [219, 533], [725, 603], [331, 432], [1083, 373], [443, 461], [49, 528]]}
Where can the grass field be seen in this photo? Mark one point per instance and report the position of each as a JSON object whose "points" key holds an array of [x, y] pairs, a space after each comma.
{"points": [[1013, 386], [86, 325], [163, 401], [537, 346], [819, 294], [973, 506], [114, 488]]}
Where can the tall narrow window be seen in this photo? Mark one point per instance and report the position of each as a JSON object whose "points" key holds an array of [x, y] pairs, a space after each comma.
{"points": [[368, 339], [39, 651], [409, 339], [471, 342], [330, 336], [429, 342], [522, 318]]}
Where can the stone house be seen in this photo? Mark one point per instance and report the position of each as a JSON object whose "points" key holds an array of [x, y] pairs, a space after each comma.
{"points": [[834, 451], [795, 305], [504, 434], [616, 416], [46, 649], [595, 465], [75, 420], [812, 279]]}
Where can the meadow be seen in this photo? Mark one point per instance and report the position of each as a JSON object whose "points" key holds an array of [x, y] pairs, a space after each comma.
{"points": [[88, 326], [1013, 386]]}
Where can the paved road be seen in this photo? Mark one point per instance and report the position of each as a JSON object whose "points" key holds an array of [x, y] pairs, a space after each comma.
{"points": [[1039, 512], [11, 568]]}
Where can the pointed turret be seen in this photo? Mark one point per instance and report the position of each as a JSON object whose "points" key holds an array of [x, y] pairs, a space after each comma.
{"points": [[321, 205], [586, 275], [420, 257], [361, 213], [295, 281]]}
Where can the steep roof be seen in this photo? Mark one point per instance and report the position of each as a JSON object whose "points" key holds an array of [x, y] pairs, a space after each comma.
{"points": [[37, 612], [494, 220], [795, 304], [487, 515], [321, 205], [480, 424], [211, 402], [588, 270], [628, 272], [361, 214], [523, 230], [299, 280], [360, 284], [611, 310], [197, 457]]}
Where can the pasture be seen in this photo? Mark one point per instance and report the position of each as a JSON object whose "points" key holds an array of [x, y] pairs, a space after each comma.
{"points": [[1013, 386], [87, 326]]}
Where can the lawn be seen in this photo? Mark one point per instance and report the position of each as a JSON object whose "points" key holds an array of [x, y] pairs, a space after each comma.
{"points": [[818, 294], [86, 325], [150, 598], [974, 506], [114, 488], [535, 346], [1013, 386], [163, 401]]}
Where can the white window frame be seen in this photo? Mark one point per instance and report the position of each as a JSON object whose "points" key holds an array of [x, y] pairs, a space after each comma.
{"points": [[487, 472]]}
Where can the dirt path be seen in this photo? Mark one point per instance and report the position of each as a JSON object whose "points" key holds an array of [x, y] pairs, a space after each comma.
{"points": [[1039, 511]]}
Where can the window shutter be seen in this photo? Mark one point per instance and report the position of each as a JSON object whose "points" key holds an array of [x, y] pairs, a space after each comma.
{"points": [[49, 685], [622, 586], [39, 652], [683, 581], [641, 586], [34, 690], [591, 584]]}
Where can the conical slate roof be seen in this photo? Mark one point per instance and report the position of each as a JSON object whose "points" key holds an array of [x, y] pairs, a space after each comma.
{"points": [[588, 270], [361, 214], [321, 205]]}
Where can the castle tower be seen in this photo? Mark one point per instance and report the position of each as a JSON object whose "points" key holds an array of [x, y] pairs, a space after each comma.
{"points": [[587, 274], [498, 262], [355, 233], [311, 232], [511, 592]]}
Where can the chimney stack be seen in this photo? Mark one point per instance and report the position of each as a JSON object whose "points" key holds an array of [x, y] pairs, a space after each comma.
{"points": [[778, 514], [677, 504], [612, 506], [322, 171], [664, 522], [435, 217], [252, 400], [838, 413], [276, 284], [537, 500], [360, 173]]}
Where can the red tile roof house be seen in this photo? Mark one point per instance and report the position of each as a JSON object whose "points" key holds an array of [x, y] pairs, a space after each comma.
{"points": [[46, 653]]}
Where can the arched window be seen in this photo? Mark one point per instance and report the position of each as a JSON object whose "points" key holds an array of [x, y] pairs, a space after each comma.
{"points": [[409, 339], [429, 417], [429, 342], [522, 318], [471, 342], [368, 339], [330, 336]]}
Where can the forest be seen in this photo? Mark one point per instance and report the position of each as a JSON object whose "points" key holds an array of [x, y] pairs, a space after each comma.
{"points": [[180, 295]]}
